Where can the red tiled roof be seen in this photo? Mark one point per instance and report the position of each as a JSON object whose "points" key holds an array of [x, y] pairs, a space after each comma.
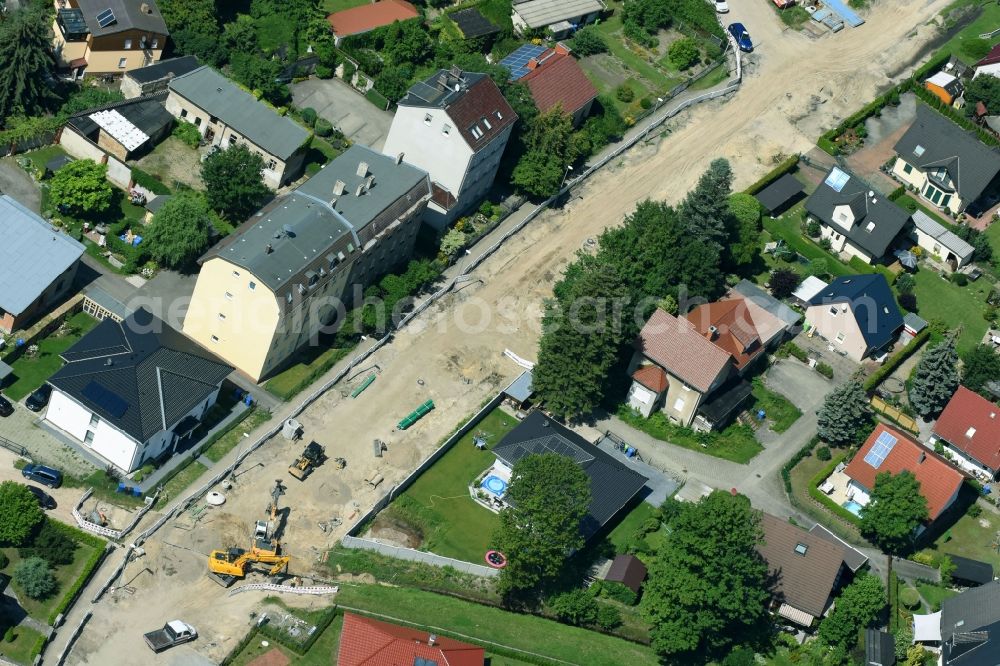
{"points": [[971, 423], [79, 62], [483, 100], [652, 377], [273, 657], [675, 345], [558, 79], [368, 17], [735, 331], [367, 642], [939, 481], [442, 197], [991, 58]]}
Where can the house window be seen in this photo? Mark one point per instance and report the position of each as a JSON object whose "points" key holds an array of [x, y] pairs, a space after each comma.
{"points": [[840, 338], [128, 44], [88, 439], [427, 119], [476, 132], [222, 317], [197, 121], [155, 44], [142, 42], [907, 168], [122, 62], [94, 420], [253, 285], [229, 296], [236, 273], [272, 164], [801, 549], [446, 130], [184, 113], [499, 116], [232, 140], [945, 201], [215, 338], [678, 404], [486, 122]]}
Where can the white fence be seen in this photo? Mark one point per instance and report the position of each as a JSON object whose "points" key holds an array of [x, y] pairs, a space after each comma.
{"points": [[412, 555], [107, 531], [271, 587]]}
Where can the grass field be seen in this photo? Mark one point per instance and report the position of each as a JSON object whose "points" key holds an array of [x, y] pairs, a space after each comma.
{"points": [[484, 623], [231, 439], [177, 485], [65, 574], [39, 157], [289, 382], [968, 538], [330, 6], [438, 502], [912, 205], [934, 594], [801, 477], [966, 44], [21, 648], [778, 409], [32, 372], [938, 298], [787, 228], [735, 443], [322, 653]]}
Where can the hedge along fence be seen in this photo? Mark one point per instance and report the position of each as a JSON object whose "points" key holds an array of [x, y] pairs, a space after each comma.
{"points": [[895, 361], [800, 455], [786, 166], [102, 548], [149, 182], [826, 502]]}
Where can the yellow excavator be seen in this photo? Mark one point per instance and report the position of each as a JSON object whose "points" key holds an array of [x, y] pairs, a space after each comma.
{"points": [[227, 566]]}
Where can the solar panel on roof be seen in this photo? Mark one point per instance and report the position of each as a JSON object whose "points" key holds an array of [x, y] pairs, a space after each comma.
{"points": [[837, 179], [106, 18], [105, 398], [517, 62], [880, 449]]}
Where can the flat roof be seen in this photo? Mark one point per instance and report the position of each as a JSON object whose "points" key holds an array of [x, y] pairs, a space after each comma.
{"points": [[120, 129]]}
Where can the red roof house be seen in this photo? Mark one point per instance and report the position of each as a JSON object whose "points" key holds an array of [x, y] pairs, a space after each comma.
{"points": [[991, 58], [970, 425], [364, 18], [554, 77], [367, 642], [889, 450]]}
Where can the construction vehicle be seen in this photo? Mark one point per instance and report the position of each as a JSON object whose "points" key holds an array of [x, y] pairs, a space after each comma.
{"points": [[227, 566], [173, 633], [264, 540], [312, 456]]}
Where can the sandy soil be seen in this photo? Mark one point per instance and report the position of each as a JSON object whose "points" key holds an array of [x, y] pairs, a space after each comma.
{"points": [[795, 88]]}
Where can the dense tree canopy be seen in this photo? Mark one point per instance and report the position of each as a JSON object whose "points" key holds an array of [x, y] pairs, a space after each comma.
{"points": [[25, 63], [980, 367], [896, 509], [707, 586], [20, 513], [34, 576], [233, 183], [783, 282], [857, 607], [550, 495], [985, 89], [744, 237], [845, 415], [81, 188], [180, 230], [550, 150], [935, 379], [705, 209]]}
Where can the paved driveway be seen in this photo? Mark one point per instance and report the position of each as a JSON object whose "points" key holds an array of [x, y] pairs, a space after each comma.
{"points": [[14, 181], [360, 120]]}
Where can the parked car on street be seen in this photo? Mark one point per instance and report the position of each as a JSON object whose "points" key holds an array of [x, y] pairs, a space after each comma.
{"points": [[721, 6], [742, 37], [6, 409], [39, 398], [44, 499], [47, 476]]}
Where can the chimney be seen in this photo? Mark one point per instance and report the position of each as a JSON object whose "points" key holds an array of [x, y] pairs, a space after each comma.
{"points": [[443, 80], [362, 169], [145, 8], [399, 158], [562, 48], [338, 188], [360, 190], [455, 71], [268, 249], [432, 640], [713, 332], [369, 181], [533, 63]]}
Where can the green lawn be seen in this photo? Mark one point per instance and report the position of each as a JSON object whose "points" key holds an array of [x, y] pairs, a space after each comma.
{"points": [[484, 623], [801, 476], [964, 44], [105, 488], [177, 485], [32, 372], [438, 502], [22, 649], [934, 594], [39, 157], [331, 6], [621, 535], [322, 653], [289, 382], [736, 443], [956, 306], [65, 574], [993, 233], [611, 28], [968, 538], [320, 152], [231, 439], [788, 228], [778, 409], [912, 205]]}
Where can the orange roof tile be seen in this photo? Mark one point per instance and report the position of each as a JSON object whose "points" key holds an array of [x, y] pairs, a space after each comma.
{"points": [[735, 331], [367, 642], [361, 19], [971, 423], [652, 377], [558, 79]]}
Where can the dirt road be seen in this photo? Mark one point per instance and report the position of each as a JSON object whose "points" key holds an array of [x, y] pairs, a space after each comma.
{"points": [[794, 87]]}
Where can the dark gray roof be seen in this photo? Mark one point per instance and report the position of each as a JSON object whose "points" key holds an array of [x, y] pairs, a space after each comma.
{"points": [[767, 302], [972, 571], [140, 375], [628, 570], [973, 648], [156, 203], [57, 162], [169, 68], [265, 248], [32, 255], [973, 609], [725, 401], [914, 322], [877, 221], [215, 94], [880, 648], [472, 23], [147, 114], [872, 303], [612, 484], [780, 192], [128, 14], [854, 559], [432, 92], [971, 165]]}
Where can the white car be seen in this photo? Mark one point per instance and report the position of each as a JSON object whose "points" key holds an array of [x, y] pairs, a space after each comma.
{"points": [[721, 6]]}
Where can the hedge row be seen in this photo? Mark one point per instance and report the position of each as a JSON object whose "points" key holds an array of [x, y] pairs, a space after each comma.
{"points": [[148, 181], [895, 360], [74, 591], [800, 455], [777, 172], [828, 503]]}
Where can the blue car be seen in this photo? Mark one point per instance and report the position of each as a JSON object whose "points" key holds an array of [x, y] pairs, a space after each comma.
{"points": [[741, 36]]}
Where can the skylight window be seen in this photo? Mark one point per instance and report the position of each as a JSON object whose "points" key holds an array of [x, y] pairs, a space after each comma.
{"points": [[918, 151], [801, 548], [870, 228], [970, 433]]}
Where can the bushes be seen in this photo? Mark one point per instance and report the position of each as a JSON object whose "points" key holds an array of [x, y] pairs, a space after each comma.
{"points": [[792, 349], [960, 279], [576, 607], [587, 42], [34, 576], [825, 370], [823, 453], [148, 181], [620, 592], [800, 455], [908, 301], [187, 133], [309, 116], [895, 360], [49, 543], [323, 127], [624, 93], [323, 72], [88, 571], [786, 165], [684, 53]]}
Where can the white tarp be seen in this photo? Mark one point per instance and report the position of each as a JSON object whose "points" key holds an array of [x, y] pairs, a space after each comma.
{"points": [[927, 628]]}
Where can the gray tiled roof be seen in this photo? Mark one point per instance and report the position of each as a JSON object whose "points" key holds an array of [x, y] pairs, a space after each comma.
{"points": [[872, 303], [767, 302], [612, 484], [164, 68], [263, 246], [948, 239], [129, 15], [970, 627], [32, 255], [888, 218], [157, 373], [215, 94], [540, 13], [971, 165]]}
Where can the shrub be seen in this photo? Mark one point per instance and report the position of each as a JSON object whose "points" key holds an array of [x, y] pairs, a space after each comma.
{"points": [[323, 72], [620, 592], [49, 543], [645, 103], [813, 229], [974, 511], [348, 71], [577, 607], [823, 453], [908, 301], [187, 132], [587, 42], [905, 283], [608, 617], [4, 560], [624, 93], [148, 181], [961, 279], [825, 370], [792, 349], [309, 116], [684, 53], [909, 597], [323, 127], [35, 578], [9, 635]]}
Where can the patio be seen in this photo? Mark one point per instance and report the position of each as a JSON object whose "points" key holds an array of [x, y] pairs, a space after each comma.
{"points": [[836, 487], [824, 352], [489, 487]]}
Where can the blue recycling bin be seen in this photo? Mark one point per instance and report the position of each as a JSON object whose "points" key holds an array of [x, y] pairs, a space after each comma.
{"points": [[248, 400]]}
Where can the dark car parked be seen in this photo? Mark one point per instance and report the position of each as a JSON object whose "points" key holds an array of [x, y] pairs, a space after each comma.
{"points": [[47, 476], [44, 499], [36, 401], [6, 409], [742, 37]]}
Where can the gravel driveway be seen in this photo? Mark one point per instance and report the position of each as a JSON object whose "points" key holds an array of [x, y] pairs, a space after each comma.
{"points": [[360, 120], [14, 181]]}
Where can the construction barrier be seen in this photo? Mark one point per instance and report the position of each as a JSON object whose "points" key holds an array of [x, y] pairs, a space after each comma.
{"points": [[89, 526], [271, 587]]}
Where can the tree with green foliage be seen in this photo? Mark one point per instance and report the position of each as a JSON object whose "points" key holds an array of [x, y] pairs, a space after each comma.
{"points": [[89, 97], [233, 182], [49, 542], [549, 496], [986, 89], [240, 35], [260, 74], [783, 282], [25, 63], [684, 53], [541, 170], [81, 188], [857, 607], [707, 586], [845, 415], [453, 241], [744, 238], [905, 283], [34, 576], [935, 379], [980, 367], [20, 514], [393, 82], [194, 28], [819, 267], [894, 511], [180, 230], [587, 42], [187, 133], [982, 249], [575, 607], [407, 42], [705, 209]]}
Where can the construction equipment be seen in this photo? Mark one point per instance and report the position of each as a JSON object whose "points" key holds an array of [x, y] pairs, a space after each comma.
{"points": [[227, 566], [264, 539], [312, 456], [340, 462]]}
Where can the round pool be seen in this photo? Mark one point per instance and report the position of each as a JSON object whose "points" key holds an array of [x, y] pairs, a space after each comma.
{"points": [[495, 484]]}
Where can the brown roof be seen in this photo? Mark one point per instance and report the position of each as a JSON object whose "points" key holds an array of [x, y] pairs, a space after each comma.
{"points": [[675, 345], [273, 657], [367, 642], [363, 18], [558, 79], [442, 197], [735, 331], [971, 423], [652, 377], [627, 570], [991, 58], [939, 481], [482, 101], [803, 580]]}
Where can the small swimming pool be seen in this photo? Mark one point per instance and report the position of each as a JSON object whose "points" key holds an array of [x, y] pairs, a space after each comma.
{"points": [[495, 485], [852, 506]]}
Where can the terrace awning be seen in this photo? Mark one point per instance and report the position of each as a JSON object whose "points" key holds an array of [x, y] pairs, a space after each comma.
{"points": [[927, 628]]}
